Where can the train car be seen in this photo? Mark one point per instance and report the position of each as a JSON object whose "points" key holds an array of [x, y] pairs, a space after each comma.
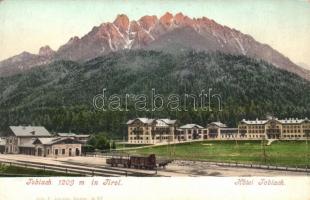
{"points": [[119, 160], [138, 162], [142, 162]]}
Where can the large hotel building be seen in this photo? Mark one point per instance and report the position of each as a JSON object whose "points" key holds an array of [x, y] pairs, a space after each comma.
{"points": [[152, 131]]}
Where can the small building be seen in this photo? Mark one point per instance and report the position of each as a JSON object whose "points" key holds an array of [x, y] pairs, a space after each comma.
{"points": [[57, 146], [191, 132], [37, 141], [214, 130]]}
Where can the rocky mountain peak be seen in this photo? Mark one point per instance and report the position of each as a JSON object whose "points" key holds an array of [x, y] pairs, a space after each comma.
{"points": [[180, 19], [74, 39], [122, 22], [166, 19], [46, 51], [148, 21]]}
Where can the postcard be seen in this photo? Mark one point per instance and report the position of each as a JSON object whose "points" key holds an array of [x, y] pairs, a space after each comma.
{"points": [[154, 99]]}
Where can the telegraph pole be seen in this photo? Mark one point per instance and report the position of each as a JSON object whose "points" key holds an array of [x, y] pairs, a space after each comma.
{"points": [[307, 132], [264, 149]]}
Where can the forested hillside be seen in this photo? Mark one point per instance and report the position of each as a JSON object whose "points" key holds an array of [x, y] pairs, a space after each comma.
{"points": [[59, 96]]}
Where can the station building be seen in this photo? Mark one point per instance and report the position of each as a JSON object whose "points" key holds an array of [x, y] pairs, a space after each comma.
{"points": [[37, 141]]}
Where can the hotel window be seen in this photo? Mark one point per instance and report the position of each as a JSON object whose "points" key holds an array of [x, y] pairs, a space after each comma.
{"points": [[63, 151], [56, 152]]}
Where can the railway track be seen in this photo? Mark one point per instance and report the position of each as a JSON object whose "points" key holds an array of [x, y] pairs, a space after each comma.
{"points": [[251, 166], [84, 170]]}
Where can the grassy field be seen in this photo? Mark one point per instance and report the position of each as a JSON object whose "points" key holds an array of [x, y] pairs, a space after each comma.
{"points": [[282, 153], [6, 170]]}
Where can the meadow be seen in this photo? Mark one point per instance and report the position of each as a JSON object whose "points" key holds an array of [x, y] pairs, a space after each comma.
{"points": [[280, 153]]}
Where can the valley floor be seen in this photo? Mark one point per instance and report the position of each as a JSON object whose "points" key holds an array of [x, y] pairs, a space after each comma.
{"points": [[279, 153], [174, 169]]}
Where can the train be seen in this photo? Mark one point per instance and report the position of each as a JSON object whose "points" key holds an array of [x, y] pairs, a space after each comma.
{"points": [[138, 162]]}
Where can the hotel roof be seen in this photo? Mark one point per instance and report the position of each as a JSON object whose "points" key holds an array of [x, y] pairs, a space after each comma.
{"points": [[190, 126], [282, 121], [167, 121], [150, 121], [219, 124], [143, 120]]}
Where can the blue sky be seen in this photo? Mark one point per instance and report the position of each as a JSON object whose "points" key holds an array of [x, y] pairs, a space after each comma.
{"points": [[26, 25]]}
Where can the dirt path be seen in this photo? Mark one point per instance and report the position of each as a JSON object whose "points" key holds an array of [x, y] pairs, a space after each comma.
{"points": [[197, 168]]}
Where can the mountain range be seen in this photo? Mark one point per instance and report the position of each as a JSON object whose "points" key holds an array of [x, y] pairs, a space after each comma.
{"points": [[171, 33]]}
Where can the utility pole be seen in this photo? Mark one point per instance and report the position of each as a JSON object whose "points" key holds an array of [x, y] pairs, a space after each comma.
{"points": [[307, 132], [264, 149]]}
